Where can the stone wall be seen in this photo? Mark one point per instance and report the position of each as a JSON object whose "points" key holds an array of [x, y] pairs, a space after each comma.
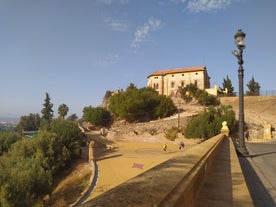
{"points": [[147, 128]]}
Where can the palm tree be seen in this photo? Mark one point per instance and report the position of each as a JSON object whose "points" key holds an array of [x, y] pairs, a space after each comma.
{"points": [[63, 110]]}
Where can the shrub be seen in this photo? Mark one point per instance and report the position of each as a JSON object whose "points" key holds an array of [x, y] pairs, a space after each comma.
{"points": [[171, 133], [6, 141], [206, 99], [141, 104], [191, 91], [208, 123], [97, 116], [28, 167], [188, 92]]}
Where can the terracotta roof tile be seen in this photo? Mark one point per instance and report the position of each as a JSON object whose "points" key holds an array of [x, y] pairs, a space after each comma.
{"points": [[177, 70]]}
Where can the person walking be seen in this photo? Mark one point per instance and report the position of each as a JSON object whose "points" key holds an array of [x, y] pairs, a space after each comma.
{"points": [[165, 147], [181, 146]]}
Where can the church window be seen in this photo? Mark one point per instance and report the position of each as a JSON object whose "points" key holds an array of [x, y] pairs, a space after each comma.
{"points": [[172, 84]]}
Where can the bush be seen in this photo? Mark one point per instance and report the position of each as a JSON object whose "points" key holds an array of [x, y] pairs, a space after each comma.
{"points": [[209, 123], [6, 141], [28, 168], [188, 92], [206, 99], [171, 133], [97, 116], [141, 104], [29, 123], [203, 98]]}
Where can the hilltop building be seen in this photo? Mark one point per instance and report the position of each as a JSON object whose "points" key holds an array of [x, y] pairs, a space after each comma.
{"points": [[167, 82]]}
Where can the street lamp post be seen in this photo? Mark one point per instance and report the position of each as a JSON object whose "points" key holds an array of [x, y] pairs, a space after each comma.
{"points": [[239, 41]]}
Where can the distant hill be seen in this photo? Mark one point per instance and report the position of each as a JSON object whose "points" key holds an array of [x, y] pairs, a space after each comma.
{"points": [[7, 123]]}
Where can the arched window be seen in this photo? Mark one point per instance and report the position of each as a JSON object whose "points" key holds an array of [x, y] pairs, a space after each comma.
{"points": [[182, 84], [172, 84], [157, 86]]}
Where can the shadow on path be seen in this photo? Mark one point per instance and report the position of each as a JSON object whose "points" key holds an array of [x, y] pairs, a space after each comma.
{"points": [[217, 188], [258, 192], [257, 155]]}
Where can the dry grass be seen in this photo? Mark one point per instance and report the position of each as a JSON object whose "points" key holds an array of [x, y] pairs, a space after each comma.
{"points": [[257, 109], [69, 189]]}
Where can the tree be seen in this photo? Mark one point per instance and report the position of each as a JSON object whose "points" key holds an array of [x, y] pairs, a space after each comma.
{"points": [[97, 116], [227, 84], [191, 91], [188, 92], [63, 110], [73, 117], [6, 141], [253, 88], [47, 112], [206, 99], [28, 166], [141, 104], [29, 123]]}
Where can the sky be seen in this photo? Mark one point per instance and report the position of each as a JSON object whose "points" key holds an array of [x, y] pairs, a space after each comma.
{"points": [[76, 50]]}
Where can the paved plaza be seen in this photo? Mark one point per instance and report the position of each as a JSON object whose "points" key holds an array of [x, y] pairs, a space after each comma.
{"points": [[125, 160]]}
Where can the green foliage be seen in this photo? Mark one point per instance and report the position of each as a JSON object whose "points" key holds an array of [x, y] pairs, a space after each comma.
{"points": [[203, 98], [164, 108], [227, 84], [206, 99], [23, 178], [73, 117], [28, 168], [253, 88], [63, 110], [6, 140], [47, 112], [188, 92], [29, 123], [171, 133], [209, 123], [141, 104], [97, 116]]}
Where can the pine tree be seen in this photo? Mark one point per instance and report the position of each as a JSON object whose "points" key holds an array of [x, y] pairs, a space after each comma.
{"points": [[227, 84], [47, 112], [253, 88]]}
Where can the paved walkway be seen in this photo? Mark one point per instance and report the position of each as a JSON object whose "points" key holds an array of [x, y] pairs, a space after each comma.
{"points": [[259, 172], [225, 184], [126, 160]]}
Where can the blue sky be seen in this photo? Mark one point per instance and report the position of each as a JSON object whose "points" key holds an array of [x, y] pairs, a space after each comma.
{"points": [[76, 50]]}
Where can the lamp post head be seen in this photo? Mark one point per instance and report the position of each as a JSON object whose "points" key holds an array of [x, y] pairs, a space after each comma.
{"points": [[239, 39]]}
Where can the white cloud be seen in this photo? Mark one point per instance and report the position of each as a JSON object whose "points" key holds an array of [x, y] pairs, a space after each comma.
{"points": [[108, 2], [143, 32], [178, 1], [207, 5], [116, 25], [196, 6], [110, 59]]}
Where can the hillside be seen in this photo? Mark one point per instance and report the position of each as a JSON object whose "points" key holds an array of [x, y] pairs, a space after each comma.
{"points": [[258, 110]]}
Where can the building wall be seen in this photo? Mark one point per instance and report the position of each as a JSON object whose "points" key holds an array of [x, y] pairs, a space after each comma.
{"points": [[169, 84]]}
